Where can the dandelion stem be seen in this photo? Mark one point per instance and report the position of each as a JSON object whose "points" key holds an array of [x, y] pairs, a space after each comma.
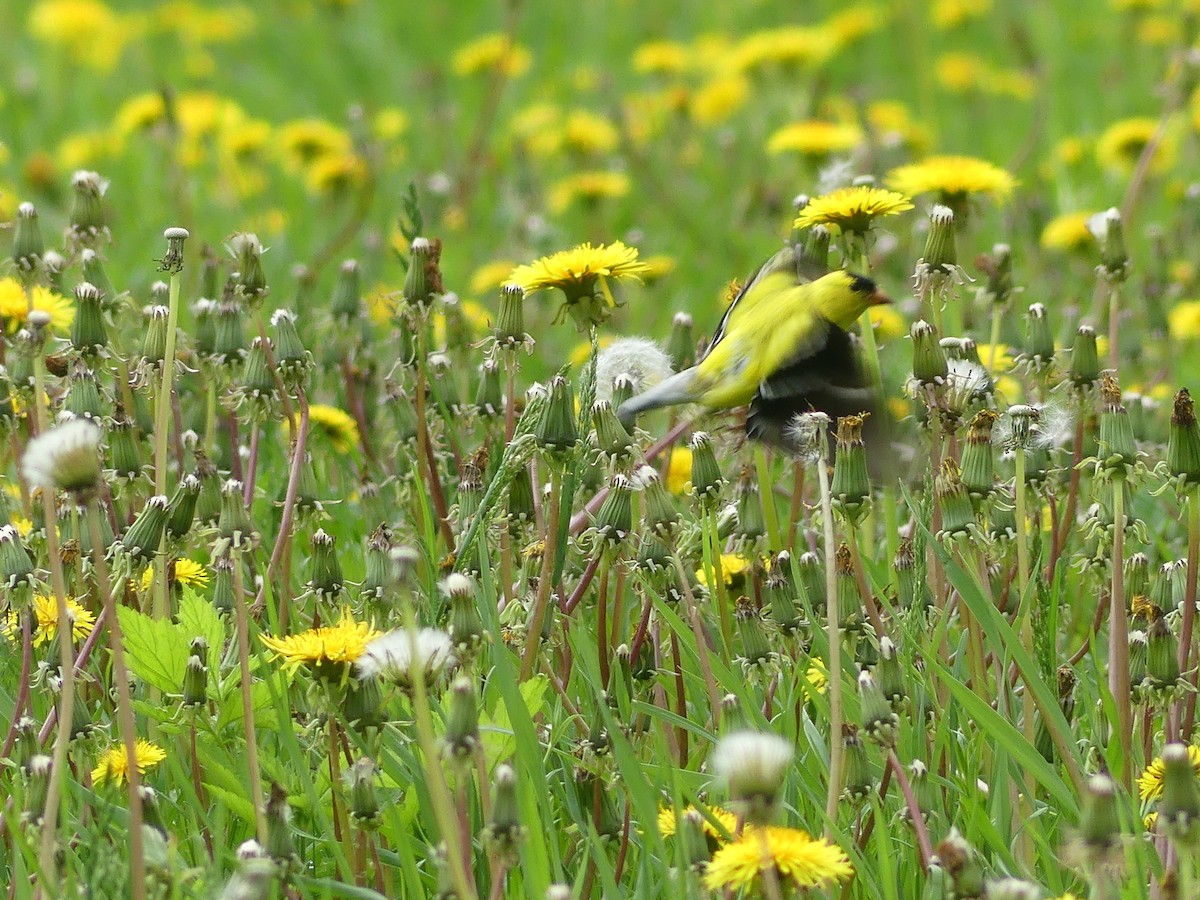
{"points": [[1025, 608], [162, 607], [1118, 636], [835, 643], [914, 809], [767, 495], [533, 636], [714, 697], [1189, 608], [243, 646], [289, 508]]}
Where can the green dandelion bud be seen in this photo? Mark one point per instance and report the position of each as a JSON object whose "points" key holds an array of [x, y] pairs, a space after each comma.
{"points": [[754, 765], [462, 726], [555, 430], [466, 628], [941, 254], [377, 561], [706, 473], [654, 555], [38, 786], [503, 832], [229, 340], [28, 246], [510, 322], [1110, 232], [222, 598], [623, 388], [458, 330], [1039, 341], [1117, 445], [234, 522], [816, 245], [293, 360], [850, 609], [94, 274], [141, 541], [205, 335], [681, 345], [54, 264], [958, 514], [210, 273], [1183, 442], [999, 285], [1100, 821], [756, 650], [423, 280], [124, 458], [346, 304], [751, 522], [1179, 809], [1066, 702], [812, 581], [1162, 660], [362, 703], [1085, 359], [279, 844], [326, 580], [879, 721], [257, 383], [905, 564], [978, 458], [86, 220], [611, 437], [195, 675], [781, 594], [695, 841], [470, 489], [181, 511], [362, 802], [1137, 575], [88, 334], [660, 514], [889, 677], [929, 359], [607, 822], [83, 394], [851, 487], [25, 743], [443, 386], [858, 784], [615, 517], [519, 505], [208, 504], [1139, 665], [16, 565], [247, 251], [953, 348], [489, 397], [733, 715], [961, 862]]}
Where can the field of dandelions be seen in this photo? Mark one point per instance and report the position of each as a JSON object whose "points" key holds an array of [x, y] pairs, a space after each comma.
{"points": [[327, 569]]}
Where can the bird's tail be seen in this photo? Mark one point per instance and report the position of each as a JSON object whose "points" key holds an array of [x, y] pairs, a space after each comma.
{"points": [[679, 388]]}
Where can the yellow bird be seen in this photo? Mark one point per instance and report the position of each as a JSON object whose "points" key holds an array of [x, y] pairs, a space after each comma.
{"points": [[783, 347]]}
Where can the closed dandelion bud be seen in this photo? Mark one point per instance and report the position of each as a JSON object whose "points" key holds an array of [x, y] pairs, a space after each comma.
{"points": [[290, 356], [257, 383], [88, 334], [1100, 821], [1139, 664], [1137, 575], [247, 251], [1162, 662], [510, 322], [83, 395], [734, 717], [25, 742], [489, 398], [959, 859], [145, 534], [38, 786], [466, 627], [889, 677], [1179, 809], [941, 254], [94, 273], [754, 765], [1117, 447], [234, 522], [462, 726], [879, 721], [953, 348], [195, 677], [816, 245], [346, 303], [443, 386], [377, 563], [851, 487], [781, 594], [1110, 232], [812, 580], [470, 489], [1085, 358], [208, 504], [86, 219], [326, 580], [694, 840], [555, 430], [362, 800], [611, 437], [503, 832], [279, 844], [751, 524], [28, 246], [519, 505], [205, 336], [756, 651], [615, 517], [424, 279], [999, 285], [905, 564], [623, 388], [660, 514], [929, 359], [1039, 341], [858, 782], [850, 610], [978, 458], [222, 597], [706, 473], [16, 565], [1183, 442], [958, 515], [181, 511], [459, 335], [229, 343], [654, 554], [55, 265], [681, 345]]}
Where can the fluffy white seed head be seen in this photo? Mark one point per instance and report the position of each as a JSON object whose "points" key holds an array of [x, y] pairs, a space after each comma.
{"points": [[641, 359]]}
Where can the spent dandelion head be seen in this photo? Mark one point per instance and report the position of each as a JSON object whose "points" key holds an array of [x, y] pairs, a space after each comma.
{"points": [[399, 655], [65, 458]]}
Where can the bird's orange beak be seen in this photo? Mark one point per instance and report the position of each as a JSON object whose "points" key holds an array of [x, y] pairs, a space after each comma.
{"points": [[879, 298]]}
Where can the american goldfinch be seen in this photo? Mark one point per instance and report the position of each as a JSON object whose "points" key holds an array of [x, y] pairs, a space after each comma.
{"points": [[783, 347]]}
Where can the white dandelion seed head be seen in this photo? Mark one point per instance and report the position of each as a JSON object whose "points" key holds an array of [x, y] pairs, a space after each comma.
{"points": [[965, 381], [682, 320], [245, 242], [92, 182], [643, 477], [394, 656], [250, 849], [806, 434], [752, 758], [38, 318], [280, 315], [66, 457], [457, 585], [1011, 889], [640, 358], [838, 173], [1099, 223]]}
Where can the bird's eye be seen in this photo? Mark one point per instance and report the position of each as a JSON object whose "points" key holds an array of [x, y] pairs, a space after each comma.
{"points": [[861, 284]]}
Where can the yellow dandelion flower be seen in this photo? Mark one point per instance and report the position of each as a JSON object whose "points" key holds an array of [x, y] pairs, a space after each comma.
{"points": [[817, 675], [814, 138], [335, 174], [1183, 320], [960, 72], [1070, 151], [796, 857], [303, 141], [852, 209], [14, 305], [668, 822], [196, 23], [1010, 83], [90, 32], [186, 572], [716, 100], [679, 470], [733, 567], [789, 47], [114, 763], [139, 113], [335, 426], [587, 188], [85, 149], [1182, 271], [948, 14], [245, 141], [1137, 5], [490, 276], [579, 273], [888, 323], [661, 58], [893, 124], [491, 52], [954, 177], [201, 114], [1121, 145], [389, 123], [1068, 232], [1159, 31], [855, 22], [538, 128], [325, 647], [589, 133], [45, 624], [1150, 782], [658, 267]]}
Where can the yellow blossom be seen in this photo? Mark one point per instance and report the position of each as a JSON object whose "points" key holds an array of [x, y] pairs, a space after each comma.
{"points": [[197, 23], [335, 173], [490, 276], [814, 138], [1159, 31], [328, 649], [1183, 320], [303, 141], [733, 567], [799, 860], [1121, 145], [718, 99], [335, 426], [45, 624], [14, 306], [389, 123], [589, 133], [114, 763], [892, 124], [491, 52], [84, 149], [139, 112], [580, 270], [1068, 232], [658, 267], [954, 177], [661, 57], [1070, 151], [668, 822], [186, 572], [588, 188], [854, 22], [789, 46], [817, 675], [954, 13], [852, 209], [960, 72], [679, 470], [889, 324], [88, 30], [1150, 782]]}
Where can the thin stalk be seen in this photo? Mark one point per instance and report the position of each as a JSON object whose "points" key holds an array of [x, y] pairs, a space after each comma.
{"points": [[289, 510], [1114, 311], [533, 636], [243, 642], [914, 809], [1028, 706], [715, 572], [993, 340], [602, 648], [162, 602], [1118, 635], [767, 495], [120, 675], [714, 697], [835, 649], [1189, 606], [425, 446]]}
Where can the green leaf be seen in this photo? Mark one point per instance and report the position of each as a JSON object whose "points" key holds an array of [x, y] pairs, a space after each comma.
{"points": [[156, 649], [199, 618], [238, 804]]}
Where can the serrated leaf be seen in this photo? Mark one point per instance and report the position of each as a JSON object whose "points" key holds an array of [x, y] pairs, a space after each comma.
{"points": [[199, 618], [156, 650], [238, 804]]}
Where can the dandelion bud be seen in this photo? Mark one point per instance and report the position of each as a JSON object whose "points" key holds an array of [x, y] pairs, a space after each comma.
{"points": [[424, 278], [751, 523], [503, 832], [958, 513], [94, 274], [362, 801], [208, 504], [978, 459], [222, 597], [195, 675], [781, 594], [489, 399], [611, 437], [681, 345], [28, 246], [145, 534], [694, 840], [1162, 661], [510, 322], [812, 580], [229, 341], [88, 334], [879, 720], [756, 650], [38, 786], [850, 610], [462, 726], [1039, 341], [851, 487], [654, 555], [1179, 809], [279, 844], [889, 676], [706, 473], [1183, 442], [326, 581], [346, 304], [959, 859], [519, 505], [998, 266], [25, 743], [66, 457], [940, 254], [1085, 359], [86, 218], [234, 522], [377, 563], [1139, 665], [257, 382], [816, 245], [1117, 447], [290, 356], [181, 511], [1100, 821], [466, 627], [623, 389], [858, 783], [929, 359], [660, 514], [905, 564], [83, 395], [247, 251], [754, 765], [16, 565], [615, 517], [556, 431], [1110, 232]]}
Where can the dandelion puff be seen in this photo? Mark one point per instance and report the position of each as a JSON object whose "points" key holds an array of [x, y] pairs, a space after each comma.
{"points": [[66, 457], [643, 477], [395, 655], [1037, 427], [639, 358], [838, 173], [806, 435], [966, 381]]}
